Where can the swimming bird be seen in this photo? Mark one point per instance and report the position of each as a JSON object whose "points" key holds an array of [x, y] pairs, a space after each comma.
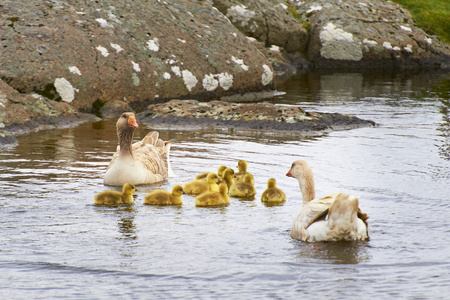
{"points": [[213, 198], [242, 171], [336, 217], [273, 194], [143, 162], [228, 178], [243, 189], [197, 187], [116, 197], [220, 171], [162, 197]]}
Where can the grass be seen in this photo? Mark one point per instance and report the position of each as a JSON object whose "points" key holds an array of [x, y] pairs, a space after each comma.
{"points": [[433, 16]]}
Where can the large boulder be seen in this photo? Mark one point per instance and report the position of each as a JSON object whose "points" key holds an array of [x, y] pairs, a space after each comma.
{"points": [[268, 21], [82, 51], [369, 34]]}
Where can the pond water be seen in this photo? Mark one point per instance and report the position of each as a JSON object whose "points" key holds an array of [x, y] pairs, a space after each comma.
{"points": [[56, 243]]}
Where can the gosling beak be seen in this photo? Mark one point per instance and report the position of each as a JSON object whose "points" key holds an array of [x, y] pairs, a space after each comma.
{"points": [[132, 122], [288, 174]]}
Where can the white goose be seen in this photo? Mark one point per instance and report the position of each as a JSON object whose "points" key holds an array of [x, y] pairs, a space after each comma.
{"points": [[332, 218], [143, 162]]}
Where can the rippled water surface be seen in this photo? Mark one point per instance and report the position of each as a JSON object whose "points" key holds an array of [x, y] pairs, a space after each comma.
{"points": [[56, 243]]}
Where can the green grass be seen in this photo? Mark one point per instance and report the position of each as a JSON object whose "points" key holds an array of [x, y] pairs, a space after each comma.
{"points": [[433, 16]]}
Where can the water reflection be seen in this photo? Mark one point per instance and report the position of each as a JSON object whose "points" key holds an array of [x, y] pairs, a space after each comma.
{"points": [[444, 129], [333, 252]]}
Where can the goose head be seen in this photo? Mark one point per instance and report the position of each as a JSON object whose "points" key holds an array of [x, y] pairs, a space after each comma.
{"points": [[177, 190], [271, 183], [126, 125], [301, 171]]}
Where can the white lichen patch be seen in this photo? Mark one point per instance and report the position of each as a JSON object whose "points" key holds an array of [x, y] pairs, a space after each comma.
{"points": [[339, 44], [176, 70], [253, 40], [225, 80], [136, 66], [190, 81], [405, 28], [428, 40], [274, 48], [75, 70], [166, 76], [331, 33], [65, 89], [369, 42], [103, 23], [182, 41], [314, 8], [240, 62], [387, 45], [267, 75], [210, 83], [240, 14], [396, 48], [153, 45], [103, 51], [408, 48], [116, 47]]}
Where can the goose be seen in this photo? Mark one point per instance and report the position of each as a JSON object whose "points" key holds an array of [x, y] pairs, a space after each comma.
{"points": [[336, 217], [242, 171], [162, 197], [197, 187], [220, 171], [116, 197], [228, 178], [273, 194], [213, 198], [243, 189], [143, 162]]}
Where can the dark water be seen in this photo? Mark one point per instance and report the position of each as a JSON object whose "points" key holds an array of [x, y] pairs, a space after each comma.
{"points": [[55, 243]]}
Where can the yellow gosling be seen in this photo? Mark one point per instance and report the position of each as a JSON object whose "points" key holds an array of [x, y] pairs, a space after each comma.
{"points": [[197, 187], [273, 194], [213, 198], [243, 189], [228, 178], [242, 171], [203, 176], [162, 197], [116, 197]]}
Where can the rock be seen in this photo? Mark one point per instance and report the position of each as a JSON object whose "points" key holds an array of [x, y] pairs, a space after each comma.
{"points": [[268, 21], [369, 34], [82, 51], [20, 114], [262, 116], [112, 109]]}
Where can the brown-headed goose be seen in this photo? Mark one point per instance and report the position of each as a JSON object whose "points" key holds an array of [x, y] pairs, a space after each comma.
{"points": [[143, 162]]}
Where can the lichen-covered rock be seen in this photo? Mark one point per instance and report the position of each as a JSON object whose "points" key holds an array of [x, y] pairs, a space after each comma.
{"points": [[369, 34], [21, 113], [268, 21], [81, 51], [263, 115]]}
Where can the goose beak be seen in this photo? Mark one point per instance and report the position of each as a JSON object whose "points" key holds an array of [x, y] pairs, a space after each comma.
{"points": [[288, 174], [132, 122]]}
